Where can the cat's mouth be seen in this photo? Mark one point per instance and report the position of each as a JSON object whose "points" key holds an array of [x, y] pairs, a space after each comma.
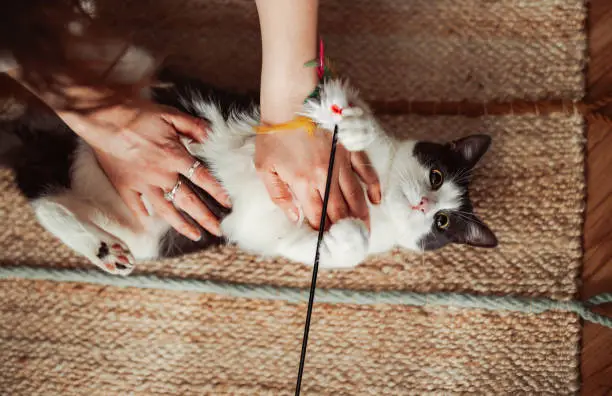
{"points": [[417, 213]]}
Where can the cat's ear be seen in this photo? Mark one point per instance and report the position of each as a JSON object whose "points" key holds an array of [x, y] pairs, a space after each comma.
{"points": [[471, 148], [476, 233]]}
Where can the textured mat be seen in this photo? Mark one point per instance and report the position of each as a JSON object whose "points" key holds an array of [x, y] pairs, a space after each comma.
{"points": [[76, 340], [530, 190], [82, 339], [393, 49]]}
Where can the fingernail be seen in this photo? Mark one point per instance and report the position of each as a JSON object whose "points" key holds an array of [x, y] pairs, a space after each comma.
{"points": [[217, 231], [227, 202], [372, 197], [293, 215], [375, 197], [195, 236]]}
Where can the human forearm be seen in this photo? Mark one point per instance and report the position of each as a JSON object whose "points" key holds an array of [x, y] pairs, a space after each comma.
{"points": [[289, 40]]}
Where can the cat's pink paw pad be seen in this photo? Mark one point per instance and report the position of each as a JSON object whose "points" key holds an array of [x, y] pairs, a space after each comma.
{"points": [[115, 258]]}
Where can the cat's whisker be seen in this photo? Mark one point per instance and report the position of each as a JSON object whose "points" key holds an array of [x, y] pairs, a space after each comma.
{"points": [[469, 217], [462, 176]]}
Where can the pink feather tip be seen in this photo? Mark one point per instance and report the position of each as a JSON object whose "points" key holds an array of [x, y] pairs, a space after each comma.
{"points": [[321, 68]]}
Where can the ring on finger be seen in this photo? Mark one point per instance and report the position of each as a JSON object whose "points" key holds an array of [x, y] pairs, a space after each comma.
{"points": [[193, 169], [170, 195]]}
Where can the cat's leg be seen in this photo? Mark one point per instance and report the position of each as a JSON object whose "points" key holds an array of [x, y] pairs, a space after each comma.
{"points": [[341, 105], [101, 248], [345, 245]]}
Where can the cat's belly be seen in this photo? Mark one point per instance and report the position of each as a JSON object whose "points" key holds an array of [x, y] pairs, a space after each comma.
{"points": [[255, 223]]}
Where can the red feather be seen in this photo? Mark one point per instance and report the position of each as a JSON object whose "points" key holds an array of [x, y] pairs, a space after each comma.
{"points": [[336, 109]]}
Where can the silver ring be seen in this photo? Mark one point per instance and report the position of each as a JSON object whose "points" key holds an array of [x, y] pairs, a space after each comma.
{"points": [[193, 168], [169, 195]]}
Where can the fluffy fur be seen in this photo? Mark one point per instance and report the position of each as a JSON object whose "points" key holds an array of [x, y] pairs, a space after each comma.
{"points": [[74, 200]]}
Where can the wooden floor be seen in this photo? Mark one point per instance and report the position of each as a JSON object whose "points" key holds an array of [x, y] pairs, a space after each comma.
{"points": [[597, 272]]}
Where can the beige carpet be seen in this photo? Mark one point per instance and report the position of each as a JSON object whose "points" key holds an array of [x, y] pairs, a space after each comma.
{"points": [[393, 49], [90, 340], [83, 339]]}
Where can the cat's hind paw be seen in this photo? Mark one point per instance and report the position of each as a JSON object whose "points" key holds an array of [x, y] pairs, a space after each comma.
{"points": [[346, 244], [114, 257]]}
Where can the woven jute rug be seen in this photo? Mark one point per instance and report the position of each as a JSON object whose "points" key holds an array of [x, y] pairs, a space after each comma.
{"points": [[75, 339]]}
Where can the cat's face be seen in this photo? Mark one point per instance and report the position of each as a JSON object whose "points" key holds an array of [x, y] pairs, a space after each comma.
{"points": [[429, 194]]}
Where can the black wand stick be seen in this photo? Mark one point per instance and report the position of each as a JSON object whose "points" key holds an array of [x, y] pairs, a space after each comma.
{"points": [[315, 270]]}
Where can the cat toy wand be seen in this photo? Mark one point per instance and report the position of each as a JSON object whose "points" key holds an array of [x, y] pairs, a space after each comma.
{"points": [[315, 269], [322, 72]]}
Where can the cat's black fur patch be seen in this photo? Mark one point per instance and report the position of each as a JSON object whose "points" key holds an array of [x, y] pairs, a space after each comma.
{"points": [[456, 160], [43, 159], [183, 87]]}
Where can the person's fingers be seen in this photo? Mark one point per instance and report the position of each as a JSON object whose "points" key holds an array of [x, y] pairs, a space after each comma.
{"points": [[134, 202], [168, 212], [363, 167], [337, 208], [195, 128], [310, 200], [354, 195], [182, 162], [191, 204], [280, 194], [203, 179]]}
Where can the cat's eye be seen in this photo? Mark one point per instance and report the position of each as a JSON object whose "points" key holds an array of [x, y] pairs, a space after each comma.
{"points": [[442, 221], [436, 178]]}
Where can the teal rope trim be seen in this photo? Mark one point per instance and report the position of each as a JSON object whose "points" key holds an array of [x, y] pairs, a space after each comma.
{"points": [[333, 296]]}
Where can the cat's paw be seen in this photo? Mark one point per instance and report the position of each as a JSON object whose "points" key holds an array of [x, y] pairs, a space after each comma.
{"points": [[114, 257], [357, 130], [340, 105], [328, 109], [346, 244]]}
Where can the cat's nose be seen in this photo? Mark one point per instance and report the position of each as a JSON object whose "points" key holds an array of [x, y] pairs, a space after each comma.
{"points": [[423, 206]]}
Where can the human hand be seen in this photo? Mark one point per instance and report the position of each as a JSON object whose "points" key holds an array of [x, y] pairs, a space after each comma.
{"points": [[137, 145], [294, 162]]}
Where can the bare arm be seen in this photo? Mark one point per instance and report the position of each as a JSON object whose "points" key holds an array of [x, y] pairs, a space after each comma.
{"points": [[291, 163], [289, 40]]}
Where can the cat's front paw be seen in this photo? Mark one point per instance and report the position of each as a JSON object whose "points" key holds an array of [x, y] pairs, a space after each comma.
{"points": [[114, 257], [340, 105], [357, 130], [346, 244]]}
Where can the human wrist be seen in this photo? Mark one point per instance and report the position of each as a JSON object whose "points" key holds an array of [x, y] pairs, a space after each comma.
{"points": [[289, 41], [98, 127], [283, 93]]}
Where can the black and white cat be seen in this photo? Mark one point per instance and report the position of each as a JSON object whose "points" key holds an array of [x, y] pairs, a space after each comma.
{"points": [[425, 203]]}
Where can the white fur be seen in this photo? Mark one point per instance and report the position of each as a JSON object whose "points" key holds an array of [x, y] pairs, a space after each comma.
{"points": [[92, 212]]}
